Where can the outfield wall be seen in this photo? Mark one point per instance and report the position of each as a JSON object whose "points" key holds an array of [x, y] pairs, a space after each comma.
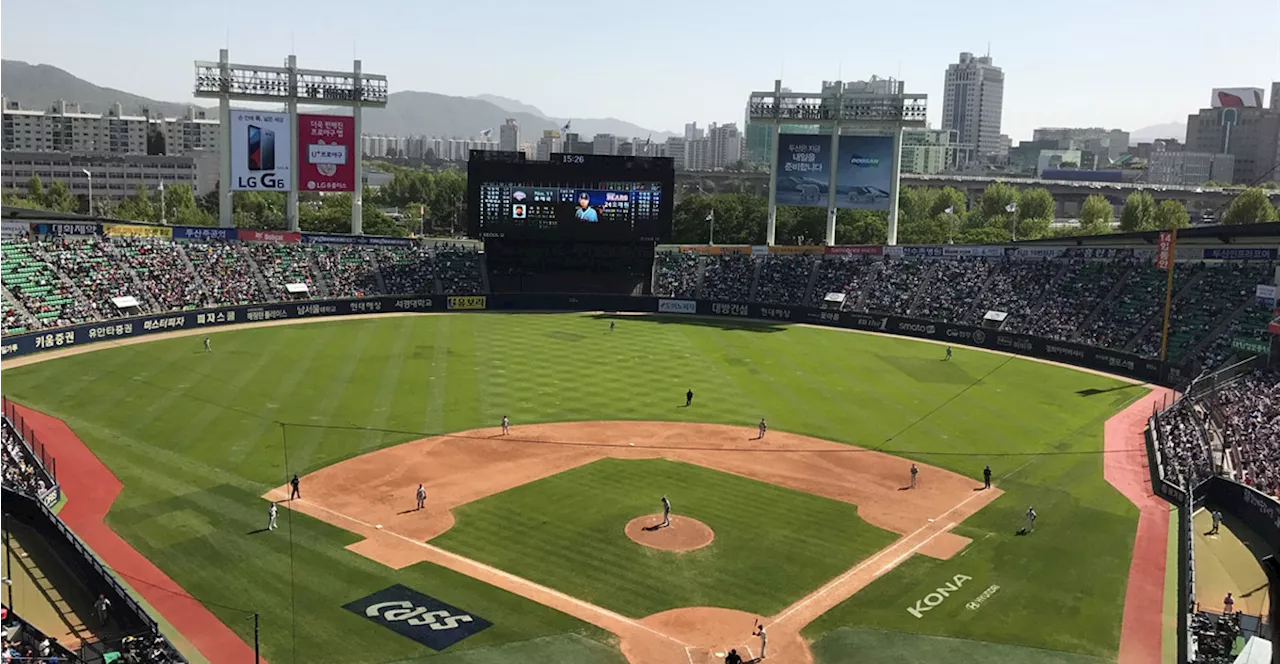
{"points": [[1101, 359]]}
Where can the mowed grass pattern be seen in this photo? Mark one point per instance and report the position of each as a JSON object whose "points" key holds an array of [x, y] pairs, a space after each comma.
{"points": [[772, 545], [200, 435]]}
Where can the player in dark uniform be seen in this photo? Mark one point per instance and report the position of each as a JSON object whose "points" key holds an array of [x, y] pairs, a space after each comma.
{"points": [[986, 477], [295, 492], [688, 398]]}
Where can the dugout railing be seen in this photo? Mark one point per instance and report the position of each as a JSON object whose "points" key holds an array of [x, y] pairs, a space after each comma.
{"points": [[45, 462]]}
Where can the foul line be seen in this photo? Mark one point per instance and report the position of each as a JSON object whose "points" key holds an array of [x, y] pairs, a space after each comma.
{"points": [[509, 577]]}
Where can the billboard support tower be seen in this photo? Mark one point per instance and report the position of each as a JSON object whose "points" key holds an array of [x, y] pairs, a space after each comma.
{"points": [[289, 86], [861, 111]]}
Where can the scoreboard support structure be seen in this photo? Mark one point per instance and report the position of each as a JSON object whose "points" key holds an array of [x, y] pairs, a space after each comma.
{"points": [[835, 110]]}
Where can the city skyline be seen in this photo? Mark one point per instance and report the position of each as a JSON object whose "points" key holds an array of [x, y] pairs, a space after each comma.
{"points": [[592, 76]]}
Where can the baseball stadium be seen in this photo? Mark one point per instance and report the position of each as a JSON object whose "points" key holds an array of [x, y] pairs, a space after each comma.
{"points": [[562, 442]]}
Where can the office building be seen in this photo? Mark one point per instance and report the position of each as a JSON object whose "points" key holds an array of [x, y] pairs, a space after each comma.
{"points": [[1181, 167], [972, 104], [604, 144], [1250, 135], [1110, 143], [676, 150], [509, 136], [547, 145], [1057, 159], [927, 151], [66, 128]]}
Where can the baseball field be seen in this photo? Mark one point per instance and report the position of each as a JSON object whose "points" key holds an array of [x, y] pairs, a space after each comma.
{"points": [[813, 529]]}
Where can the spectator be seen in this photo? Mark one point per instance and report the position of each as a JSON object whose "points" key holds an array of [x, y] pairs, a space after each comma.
{"points": [[952, 290], [675, 274], [784, 279], [728, 277]]}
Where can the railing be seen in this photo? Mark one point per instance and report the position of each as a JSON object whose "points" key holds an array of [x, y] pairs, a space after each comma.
{"points": [[47, 462]]}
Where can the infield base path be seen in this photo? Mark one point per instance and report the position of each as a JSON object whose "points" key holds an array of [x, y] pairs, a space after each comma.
{"points": [[378, 489]]}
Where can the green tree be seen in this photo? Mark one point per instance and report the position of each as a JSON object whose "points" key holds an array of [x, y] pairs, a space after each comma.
{"points": [[139, 206], [262, 210], [1139, 213], [35, 190], [1036, 203], [1250, 206], [1096, 215], [861, 227], [1170, 215]]}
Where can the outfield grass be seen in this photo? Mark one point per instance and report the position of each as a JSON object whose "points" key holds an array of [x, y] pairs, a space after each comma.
{"points": [[868, 646], [196, 438], [772, 545]]}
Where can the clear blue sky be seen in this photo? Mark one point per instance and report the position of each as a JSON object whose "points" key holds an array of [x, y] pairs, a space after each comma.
{"points": [[661, 63]]}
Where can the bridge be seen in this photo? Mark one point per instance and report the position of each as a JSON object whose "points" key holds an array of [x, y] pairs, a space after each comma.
{"points": [[1068, 194]]}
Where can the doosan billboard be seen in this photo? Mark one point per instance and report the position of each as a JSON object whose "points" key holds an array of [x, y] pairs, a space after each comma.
{"points": [[260, 151], [326, 149], [1237, 98], [864, 168]]}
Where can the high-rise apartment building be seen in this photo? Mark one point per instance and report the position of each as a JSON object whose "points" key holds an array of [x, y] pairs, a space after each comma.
{"points": [[692, 132], [509, 136], [547, 145], [604, 144], [726, 145], [66, 128], [972, 103]]}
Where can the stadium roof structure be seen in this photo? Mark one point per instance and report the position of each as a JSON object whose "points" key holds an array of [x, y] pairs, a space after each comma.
{"points": [[35, 214], [1263, 233]]}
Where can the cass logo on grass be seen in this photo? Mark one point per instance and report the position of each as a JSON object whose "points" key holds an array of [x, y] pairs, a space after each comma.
{"points": [[424, 619]]}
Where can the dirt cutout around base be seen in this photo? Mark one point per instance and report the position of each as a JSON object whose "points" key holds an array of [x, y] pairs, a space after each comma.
{"points": [[377, 489], [684, 534]]}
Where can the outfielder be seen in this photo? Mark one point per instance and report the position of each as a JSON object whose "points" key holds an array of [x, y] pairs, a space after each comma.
{"points": [[688, 398], [506, 425], [666, 512], [1031, 520], [271, 516], [948, 354], [914, 472], [422, 496], [207, 347]]}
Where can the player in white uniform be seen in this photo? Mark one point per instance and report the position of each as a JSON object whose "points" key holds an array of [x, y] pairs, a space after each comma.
{"points": [[764, 639], [1031, 520], [948, 353], [271, 516], [666, 512], [763, 427], [207, 347], [914, 472], [506, 425], [422, 496]]}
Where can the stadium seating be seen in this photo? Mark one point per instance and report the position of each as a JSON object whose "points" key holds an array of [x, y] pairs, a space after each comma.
{"points": [[221, 267], [1138, 303], [348, 270], [96, 270], [1195, 314], [163, 272], [784, 279], [1080, 288], [952, 290], [843, 274], [896, 282], [728, 277], [407, 270], [282, 264], [1248, 411], [49, 298], [458, 270], [1016, 288], [675, 274]]}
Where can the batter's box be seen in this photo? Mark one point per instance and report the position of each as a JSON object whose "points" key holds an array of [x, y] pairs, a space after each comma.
{"points": [[698, 655]]}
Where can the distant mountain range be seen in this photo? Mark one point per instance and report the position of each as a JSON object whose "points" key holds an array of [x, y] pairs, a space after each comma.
{"points": [[1176, 130], [407, 113]]}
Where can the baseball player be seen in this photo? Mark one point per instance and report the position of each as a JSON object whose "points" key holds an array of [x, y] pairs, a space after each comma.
{"points": [[295, 491], [914, 472], [1031, 520], [763, 427], [207, 348], [506, 425], [948, 358], [666, 512], [1217, 520], [422, 496], [986, 477], [611, 324], [764, 639], [271, 516], [688, 398]]}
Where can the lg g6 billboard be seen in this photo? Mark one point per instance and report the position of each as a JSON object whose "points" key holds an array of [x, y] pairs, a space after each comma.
{"points": [[326, 150], [260, 151]]}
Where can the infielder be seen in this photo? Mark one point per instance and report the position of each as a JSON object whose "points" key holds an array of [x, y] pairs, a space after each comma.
{"points": [[271, 516], [666, 512], [763, 427], [914, 472], [207, 347], [422, 496], [1031, 520], [506, 425], [764, 639]]}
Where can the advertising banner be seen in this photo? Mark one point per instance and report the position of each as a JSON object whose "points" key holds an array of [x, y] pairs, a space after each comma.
{"points": [[759, 250], [1237, 98], [864, 168], [677, 307], [1164, 251], [326, 150], [793, 250], [137, 231], [465, 302], [260, 151], [268, 236], [920, 252], [203, 233], [1098, 252], [67, 228], [14, 228], [1248, 345], [855, 250], [328, 238], [1240, 254], [973, 252], [1266, 295], [1034, 252]]}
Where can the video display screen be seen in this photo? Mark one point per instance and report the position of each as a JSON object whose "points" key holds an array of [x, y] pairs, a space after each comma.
{"points": [[600, 198]]}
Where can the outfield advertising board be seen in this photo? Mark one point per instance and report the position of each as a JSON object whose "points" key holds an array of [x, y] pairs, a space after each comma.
{"points": [[864, 170], [326, 150], [261, 151]]}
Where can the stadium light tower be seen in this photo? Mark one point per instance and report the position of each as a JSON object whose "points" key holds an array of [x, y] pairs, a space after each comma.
{"points": [[886, 111], [291, 86]]}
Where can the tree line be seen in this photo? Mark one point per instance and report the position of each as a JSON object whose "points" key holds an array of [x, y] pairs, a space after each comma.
{"points": [[931, 215]]}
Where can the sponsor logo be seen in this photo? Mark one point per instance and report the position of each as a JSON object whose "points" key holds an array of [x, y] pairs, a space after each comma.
{"points": [[1270, 510], [420, 617], [168, 323], [938, 596], [917, 327], [8, 348], [260, 314], [366, 307], [213, 318], [728, 309], [986, 595], [775, 312], [1006, 341], [317, 309], [1062, 350], [107, 331], [864, 162], [825, 316], [414, 304], [467, 302], [979, 337], [56, 339], [1119, 362], [677, 307]]}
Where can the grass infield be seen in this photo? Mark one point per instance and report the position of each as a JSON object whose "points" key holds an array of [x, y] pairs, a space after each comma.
{"points": [[196, 438]]}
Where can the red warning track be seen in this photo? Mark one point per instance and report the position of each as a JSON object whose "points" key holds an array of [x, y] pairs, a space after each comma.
{"points": [[1125, 468], [91, 489]]}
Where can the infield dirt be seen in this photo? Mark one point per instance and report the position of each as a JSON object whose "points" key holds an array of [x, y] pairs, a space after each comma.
{"points": [[377, 489]]}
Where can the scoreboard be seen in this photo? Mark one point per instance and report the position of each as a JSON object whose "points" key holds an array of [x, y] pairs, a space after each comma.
{"points": [[572, 197]]}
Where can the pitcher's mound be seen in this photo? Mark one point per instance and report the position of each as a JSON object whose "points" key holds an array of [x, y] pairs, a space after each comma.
{"points": [[684, 533]]}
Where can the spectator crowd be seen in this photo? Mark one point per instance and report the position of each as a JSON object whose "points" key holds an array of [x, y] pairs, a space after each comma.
{"points": [[22, 472]]}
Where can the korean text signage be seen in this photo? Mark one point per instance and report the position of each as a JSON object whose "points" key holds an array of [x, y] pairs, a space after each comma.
{"points": [[422, 618], [268, 236], [260, 151], [864, 168], [137, 231], [67, 228], [677, 307], [462, 302], [326, 148], [203, 233]]}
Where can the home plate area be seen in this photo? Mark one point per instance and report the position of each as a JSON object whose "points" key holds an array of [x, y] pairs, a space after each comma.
{"points": [[698, 655]]}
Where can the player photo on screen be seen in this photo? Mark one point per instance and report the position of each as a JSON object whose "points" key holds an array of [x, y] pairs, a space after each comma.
{"points": [[587, 210]]}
